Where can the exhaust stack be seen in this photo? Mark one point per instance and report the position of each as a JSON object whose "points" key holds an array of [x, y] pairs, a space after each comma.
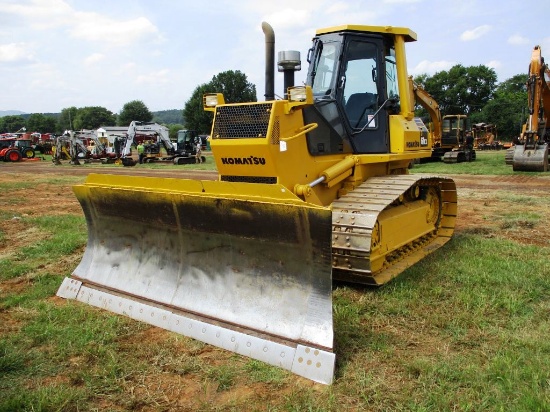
{"points": [[269, 61], [289, 62]]}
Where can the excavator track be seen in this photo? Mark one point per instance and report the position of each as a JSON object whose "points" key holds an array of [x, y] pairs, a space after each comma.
{"points": [[509, 156], [459, 156], [389, 223]]}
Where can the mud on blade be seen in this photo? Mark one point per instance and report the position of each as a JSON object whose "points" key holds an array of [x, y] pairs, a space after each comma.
{"points": [[212, 261]]}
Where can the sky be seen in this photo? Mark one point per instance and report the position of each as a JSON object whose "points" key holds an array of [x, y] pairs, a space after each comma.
{"points": [[56, 54]]}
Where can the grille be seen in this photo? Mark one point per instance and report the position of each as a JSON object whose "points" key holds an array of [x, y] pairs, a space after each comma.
{"points": [[242, 121], [250, 179], [275, 132]]}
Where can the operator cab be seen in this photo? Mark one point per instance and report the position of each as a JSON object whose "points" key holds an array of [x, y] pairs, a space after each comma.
{"points": [[186, 140], [453, 129], [353, 76]]}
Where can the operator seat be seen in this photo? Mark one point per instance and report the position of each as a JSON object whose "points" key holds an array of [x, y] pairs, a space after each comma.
{"points": [[358, 105]]}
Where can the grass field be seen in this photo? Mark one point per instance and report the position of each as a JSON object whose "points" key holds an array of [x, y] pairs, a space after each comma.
{"points": [[487, 163], [466, 329], [490, 162]]}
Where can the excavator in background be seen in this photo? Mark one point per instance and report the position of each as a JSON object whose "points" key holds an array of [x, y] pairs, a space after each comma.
{"points": [[311, 188], [531, 151], [457, 139], [61, 148], [69, 146], [180, 152], [188, 139], [450, 135], [98, 150], [422, 97]]}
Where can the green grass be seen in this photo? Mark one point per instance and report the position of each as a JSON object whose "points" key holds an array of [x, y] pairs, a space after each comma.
{"points": [[63, 235], [16, 185], [481, 305], [465, 329], [487, 163], [62, 180], [516, 212], [48, 348], [510, 220], [262, 372], [519, 200]]}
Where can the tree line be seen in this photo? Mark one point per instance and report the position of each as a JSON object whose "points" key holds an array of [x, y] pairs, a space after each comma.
{"points": [[460, 90], [233, 84], [474, 91], [73, 118]]}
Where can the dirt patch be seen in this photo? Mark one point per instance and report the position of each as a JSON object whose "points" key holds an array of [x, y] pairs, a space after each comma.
{"points": [[510, 207], [17, 234]]}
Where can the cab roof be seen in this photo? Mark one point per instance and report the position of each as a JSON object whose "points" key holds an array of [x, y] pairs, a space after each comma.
{"points": [[407, 33]]}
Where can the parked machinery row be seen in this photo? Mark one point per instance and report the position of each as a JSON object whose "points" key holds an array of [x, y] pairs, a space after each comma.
{"points": [[157, 144], [86, 146]]}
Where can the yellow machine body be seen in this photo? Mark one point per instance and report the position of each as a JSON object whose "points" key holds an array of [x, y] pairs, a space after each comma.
{"points": [[311, 188], [282, 155]]}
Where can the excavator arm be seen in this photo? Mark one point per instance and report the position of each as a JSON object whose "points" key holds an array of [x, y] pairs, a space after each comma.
{"points": [[75, 145], [59, 145], [539, 97], [160, 130], [100, 147], [431, 106], [131, 134], [164, 137]]}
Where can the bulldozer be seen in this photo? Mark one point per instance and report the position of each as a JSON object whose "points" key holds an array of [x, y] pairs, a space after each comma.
{"points": [[457, 138], [312, 187], [531, 152]]}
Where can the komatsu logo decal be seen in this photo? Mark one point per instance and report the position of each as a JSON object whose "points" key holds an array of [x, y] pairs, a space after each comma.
{"points": [[243, 160], [423, 143], [423, 134]]}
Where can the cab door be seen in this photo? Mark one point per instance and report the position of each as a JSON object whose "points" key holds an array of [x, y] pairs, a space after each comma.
{"points": [[361, 91]]}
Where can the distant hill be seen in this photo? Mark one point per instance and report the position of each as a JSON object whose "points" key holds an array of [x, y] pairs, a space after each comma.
{"points": [[55, 115], [174, 116], [10, 113]]}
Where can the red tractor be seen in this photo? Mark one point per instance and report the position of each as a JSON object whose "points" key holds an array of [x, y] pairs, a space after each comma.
{"points": [[14, 149]]}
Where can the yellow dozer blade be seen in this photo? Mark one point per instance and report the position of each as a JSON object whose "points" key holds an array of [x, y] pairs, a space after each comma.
{"points": [[245, 267]]}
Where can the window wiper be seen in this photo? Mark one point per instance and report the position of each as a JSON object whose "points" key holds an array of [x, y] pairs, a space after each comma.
{"points": [[392, 101]]}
